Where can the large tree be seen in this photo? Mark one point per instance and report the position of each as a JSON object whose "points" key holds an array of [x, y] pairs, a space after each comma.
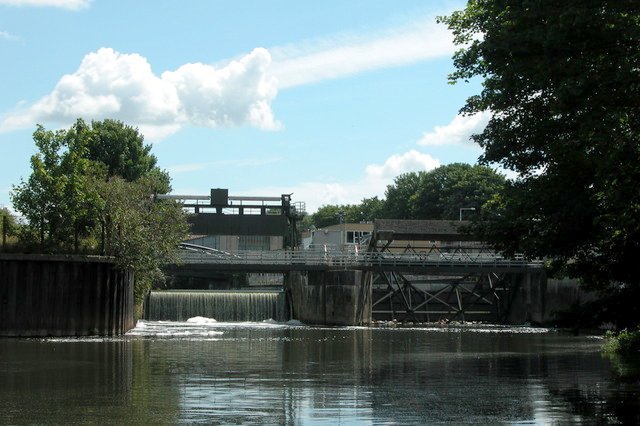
{"points": [[57, 200], [442, 192], [122, 150], [562, 80], [141, 233], [331, 214], [76, 199]]}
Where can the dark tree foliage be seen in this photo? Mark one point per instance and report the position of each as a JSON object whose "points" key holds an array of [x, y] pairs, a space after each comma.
{"points": [[562, 79], [368, 210], [442, 192], [9, 226], [81, 198], [121, 148], [437, 194]]}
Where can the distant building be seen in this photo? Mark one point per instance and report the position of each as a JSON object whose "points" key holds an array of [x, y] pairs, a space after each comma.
{"points": [[442, 234], [232, 223], [346, 236]]}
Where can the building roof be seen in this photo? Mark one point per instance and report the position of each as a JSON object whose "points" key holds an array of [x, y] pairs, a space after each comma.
{"points": [[420, 230], [363, 227]]}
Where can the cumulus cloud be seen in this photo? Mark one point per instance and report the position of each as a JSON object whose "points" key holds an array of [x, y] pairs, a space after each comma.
{"points": [[458, 131], [64, 4], [397, 164], [109, 84], [341, 56]]}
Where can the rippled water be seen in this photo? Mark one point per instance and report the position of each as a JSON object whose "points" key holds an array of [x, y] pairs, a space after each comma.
{"points": [[204, 371]]}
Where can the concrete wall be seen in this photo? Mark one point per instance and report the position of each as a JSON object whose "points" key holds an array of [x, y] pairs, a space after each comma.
{"points": [[44, 295], [538, 300], [329, 298]]}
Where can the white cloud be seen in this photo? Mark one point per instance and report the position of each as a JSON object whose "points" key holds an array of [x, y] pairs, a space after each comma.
{"points": [[457, 132], [64, 4], [7, 36], [109, 84], [238, 94], [373, 183], [341, 56], [397, 164]]}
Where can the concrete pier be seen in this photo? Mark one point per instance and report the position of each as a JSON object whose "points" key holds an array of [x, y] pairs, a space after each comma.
{"points": [[42, 295], [329, 297], [539, 300]]}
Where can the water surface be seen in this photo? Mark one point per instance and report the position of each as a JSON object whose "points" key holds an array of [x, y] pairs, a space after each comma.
{"points": [[204, 371]]}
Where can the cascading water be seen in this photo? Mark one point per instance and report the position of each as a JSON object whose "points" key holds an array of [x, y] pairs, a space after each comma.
{"points": [[220, 305]]}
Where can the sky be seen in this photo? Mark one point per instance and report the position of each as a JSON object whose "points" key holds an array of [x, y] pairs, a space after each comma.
{"points": [[329, 100]]}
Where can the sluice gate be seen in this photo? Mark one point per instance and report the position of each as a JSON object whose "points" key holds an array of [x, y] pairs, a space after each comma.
{"points": [[465, 286], [221, 305], [421, 271]]}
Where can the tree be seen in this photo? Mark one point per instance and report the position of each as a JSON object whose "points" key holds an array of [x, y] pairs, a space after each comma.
{"points": [[142, 233], [368, 210], [440, 193], [75, 200], [328, 215], [8, 226], [562, 79], [398, 203], [57, 200], [122, 150]]}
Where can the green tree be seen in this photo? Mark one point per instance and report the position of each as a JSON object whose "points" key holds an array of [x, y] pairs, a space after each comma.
{"points": [[73, 201], [440, 193], [122, 150], [400, 196], [56, 200], [561, 78], [9, 226], [370, 209], [142, 233], [328, 215]]}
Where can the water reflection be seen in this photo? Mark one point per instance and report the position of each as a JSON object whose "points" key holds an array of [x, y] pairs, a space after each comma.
{"points": [[288, 374]]}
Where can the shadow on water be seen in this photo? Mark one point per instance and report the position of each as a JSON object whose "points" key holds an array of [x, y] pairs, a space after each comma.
{"points": [[279, 374]]}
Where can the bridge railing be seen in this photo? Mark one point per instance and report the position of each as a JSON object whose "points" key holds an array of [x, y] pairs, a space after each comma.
{"points": [[352, 259]]}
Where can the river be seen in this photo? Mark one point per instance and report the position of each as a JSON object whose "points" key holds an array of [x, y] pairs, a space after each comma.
{"points": [[286, 373]]}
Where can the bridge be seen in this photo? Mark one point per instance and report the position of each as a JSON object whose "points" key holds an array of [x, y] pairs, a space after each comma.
{"points": [[409, 270], [439, 283], [195, 257]]}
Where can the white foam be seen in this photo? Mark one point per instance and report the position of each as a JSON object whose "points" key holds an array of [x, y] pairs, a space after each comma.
{"points": [[202, 320]]}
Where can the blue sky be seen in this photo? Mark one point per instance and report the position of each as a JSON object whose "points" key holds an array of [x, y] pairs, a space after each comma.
{"points": [[326, 100]]}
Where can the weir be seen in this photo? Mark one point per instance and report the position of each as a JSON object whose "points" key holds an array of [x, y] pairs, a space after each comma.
{"points": [[221, 305]]}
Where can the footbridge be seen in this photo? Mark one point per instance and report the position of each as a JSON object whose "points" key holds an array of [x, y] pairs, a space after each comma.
{"points": [[405, 281], [195, 257]]}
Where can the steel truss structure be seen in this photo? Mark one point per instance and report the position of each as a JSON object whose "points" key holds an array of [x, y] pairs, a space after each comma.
{"points": [[464, 293]]}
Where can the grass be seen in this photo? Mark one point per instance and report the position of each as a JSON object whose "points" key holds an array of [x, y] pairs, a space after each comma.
{"points": [[625, 344]]}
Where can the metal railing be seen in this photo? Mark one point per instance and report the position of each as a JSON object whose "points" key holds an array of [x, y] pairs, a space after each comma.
{"points": [[352, 259]]}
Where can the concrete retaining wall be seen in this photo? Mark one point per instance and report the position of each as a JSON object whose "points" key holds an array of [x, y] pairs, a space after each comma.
{"points": [[539, 300], [44, 295], [329, 298]]}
